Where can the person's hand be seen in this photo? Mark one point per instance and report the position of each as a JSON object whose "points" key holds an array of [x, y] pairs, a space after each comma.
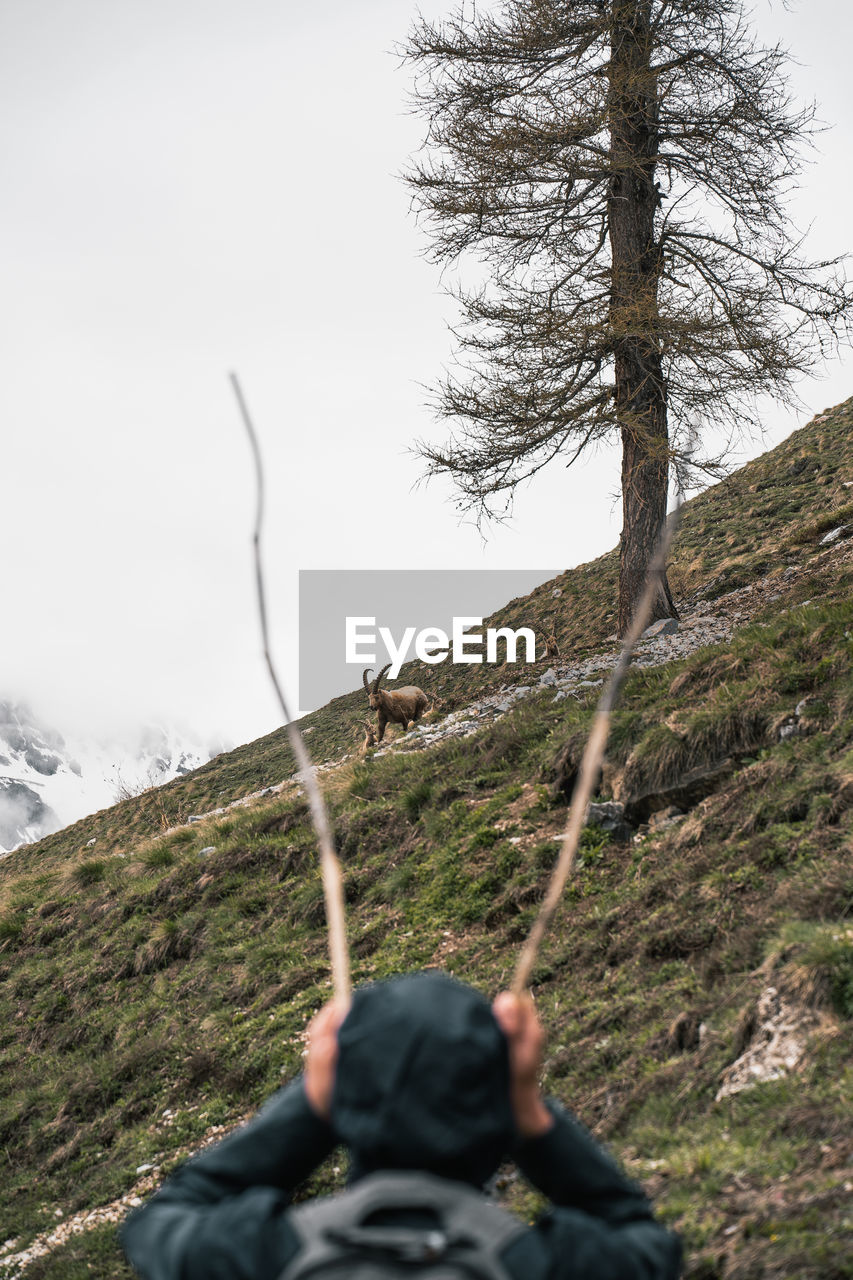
{"points": [[322, 1057], [516, 1017]]}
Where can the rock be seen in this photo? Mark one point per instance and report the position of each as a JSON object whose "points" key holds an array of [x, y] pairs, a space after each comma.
{"points": [[89, 843], [684, 792], [210, 848], [195, 817], [144, 1168], [788, 730], [834, 535], [548, 677], [609, 816], [13, 736], [42, 761], [775, 1042], [663, 627], [666, 817], [556, 593], [559, 695]]}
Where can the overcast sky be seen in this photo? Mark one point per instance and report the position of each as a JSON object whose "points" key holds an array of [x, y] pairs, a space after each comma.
{"points": [[194, 186]]}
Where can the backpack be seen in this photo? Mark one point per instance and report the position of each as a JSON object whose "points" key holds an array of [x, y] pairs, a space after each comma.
{"points": [[465, 1243]]}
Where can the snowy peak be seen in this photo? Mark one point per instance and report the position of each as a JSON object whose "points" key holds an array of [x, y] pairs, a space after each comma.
{"points": [[28, 756], [48, 781]]}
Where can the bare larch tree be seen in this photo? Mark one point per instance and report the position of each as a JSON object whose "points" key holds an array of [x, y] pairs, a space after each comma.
{"points": [[619, 169]]}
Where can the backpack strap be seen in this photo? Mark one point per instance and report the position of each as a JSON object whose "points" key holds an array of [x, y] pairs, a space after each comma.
{"points": [[468, 1224]]}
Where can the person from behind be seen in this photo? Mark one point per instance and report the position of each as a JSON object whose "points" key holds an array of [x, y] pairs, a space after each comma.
{"points": [[429, 1088]]}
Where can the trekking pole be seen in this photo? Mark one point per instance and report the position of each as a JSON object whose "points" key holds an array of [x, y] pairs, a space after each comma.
{"points": [[329, 864], [593, 755]]}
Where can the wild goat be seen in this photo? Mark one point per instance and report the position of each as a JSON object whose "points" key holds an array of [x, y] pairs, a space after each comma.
{"points": [[397, 706], [369, 737], [552, 648]]}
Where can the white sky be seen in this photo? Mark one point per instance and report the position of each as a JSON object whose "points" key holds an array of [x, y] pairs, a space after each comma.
{"points": [[201, 185]]}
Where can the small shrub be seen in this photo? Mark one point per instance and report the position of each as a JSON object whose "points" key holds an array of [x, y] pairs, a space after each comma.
{"points": [[830, 956], [484, 838], [160, 856], [90, 872], [545, 855], [508, 860], [398, 882], [169, 941], [590, 851], [11, 928], [360, 783], [416, 799]]}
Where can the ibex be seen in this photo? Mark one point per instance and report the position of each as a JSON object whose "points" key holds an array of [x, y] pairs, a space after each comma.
{"points": [[398, 706], [369, 737], [552, 648]]}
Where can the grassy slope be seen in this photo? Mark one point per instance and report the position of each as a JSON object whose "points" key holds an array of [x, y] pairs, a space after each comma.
{"points": [[139, 977]]}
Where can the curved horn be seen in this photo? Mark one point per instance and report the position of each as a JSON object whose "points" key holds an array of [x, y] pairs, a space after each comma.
{"points": [[364, 678], [387, 667]]}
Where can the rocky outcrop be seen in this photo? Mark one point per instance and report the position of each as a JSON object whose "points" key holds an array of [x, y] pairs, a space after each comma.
{"points": [[681, 793], [776, 1040]]}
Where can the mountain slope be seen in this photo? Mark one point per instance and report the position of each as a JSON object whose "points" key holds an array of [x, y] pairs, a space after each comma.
{"points": [[155, 985], [768, 516]]}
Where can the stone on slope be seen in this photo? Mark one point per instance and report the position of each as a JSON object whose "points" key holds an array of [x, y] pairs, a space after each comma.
{"points": [[609, 816], [835, 535], [663, 627]]}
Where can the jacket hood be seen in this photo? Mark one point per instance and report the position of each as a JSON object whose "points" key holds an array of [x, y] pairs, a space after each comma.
{"points": [[422, 1079]]}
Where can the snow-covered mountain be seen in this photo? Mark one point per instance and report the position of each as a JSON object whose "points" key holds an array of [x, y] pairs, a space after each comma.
{"points": [[48, 781]]}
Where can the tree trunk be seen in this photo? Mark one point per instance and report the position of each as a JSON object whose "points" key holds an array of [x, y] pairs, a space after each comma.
{"points": [[635, 259]]}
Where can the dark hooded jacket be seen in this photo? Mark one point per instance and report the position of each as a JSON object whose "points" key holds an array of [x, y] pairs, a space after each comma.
{"points": [[422, 1082]]}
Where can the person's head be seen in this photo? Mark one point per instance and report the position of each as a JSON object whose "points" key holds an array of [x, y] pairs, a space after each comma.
{"points": [[422, 1079]]}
